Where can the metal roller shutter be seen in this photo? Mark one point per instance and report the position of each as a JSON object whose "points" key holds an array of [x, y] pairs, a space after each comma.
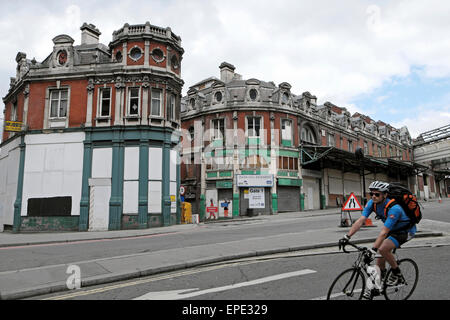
{"points": [[288, 199]]}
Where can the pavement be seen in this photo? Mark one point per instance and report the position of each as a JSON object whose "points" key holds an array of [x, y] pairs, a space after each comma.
{"points": [[23, 283]]}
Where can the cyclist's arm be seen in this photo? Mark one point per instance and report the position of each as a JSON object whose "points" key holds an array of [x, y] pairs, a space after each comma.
{"points": [[357, 225], [361, 220], [383, 234]]}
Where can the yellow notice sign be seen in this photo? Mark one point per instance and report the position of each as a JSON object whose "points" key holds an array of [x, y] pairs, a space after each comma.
{"points": [[173, 198], [13, 126]]}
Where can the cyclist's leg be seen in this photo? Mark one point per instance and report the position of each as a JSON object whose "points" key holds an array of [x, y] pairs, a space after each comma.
{"points": [[385, 250], [381, 263], [395, 240]]}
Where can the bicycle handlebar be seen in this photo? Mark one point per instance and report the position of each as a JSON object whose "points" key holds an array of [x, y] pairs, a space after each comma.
{"points": [[354, 246]]}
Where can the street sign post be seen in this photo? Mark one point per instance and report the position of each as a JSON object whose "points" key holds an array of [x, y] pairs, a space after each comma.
{"points": [[352, 204], [212, 212]]}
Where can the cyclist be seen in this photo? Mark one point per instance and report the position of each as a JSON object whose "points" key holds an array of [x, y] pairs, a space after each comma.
{"points": [[395, 231]]}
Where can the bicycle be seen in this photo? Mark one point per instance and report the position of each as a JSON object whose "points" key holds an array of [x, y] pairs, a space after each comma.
{"points": [[351, 283]]}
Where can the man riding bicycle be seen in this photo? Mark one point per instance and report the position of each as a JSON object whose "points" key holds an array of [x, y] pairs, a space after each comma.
{"points": [[395, 231]]}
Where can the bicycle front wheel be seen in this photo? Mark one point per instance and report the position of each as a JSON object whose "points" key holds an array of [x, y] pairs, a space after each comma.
{"points": [[410, 273], [349, 285]]}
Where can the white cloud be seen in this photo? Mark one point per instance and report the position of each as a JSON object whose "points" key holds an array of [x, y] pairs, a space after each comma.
{"points": [[382, 98], [426, 117], [423, 122], [72, 16]]}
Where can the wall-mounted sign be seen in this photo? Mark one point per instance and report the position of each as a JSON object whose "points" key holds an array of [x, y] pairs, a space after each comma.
{"points": [[173, 202], [256, 198], [249, 180], [13, 126]]}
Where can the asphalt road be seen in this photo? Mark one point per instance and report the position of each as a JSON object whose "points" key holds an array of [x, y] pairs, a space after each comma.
{"points": [[52, 254], [434, 210], [254, 279], [295, 276], [33, 256]]}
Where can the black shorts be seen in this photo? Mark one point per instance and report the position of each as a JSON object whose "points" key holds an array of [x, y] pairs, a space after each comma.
{"points": [[399, 238]]}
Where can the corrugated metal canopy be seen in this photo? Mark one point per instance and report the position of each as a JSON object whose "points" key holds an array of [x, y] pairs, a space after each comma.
{"points": [[433, 135], [318, 157]]}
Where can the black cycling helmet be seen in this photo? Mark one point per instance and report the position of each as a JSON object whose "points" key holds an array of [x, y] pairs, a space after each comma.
{"points": [[379, 186]]}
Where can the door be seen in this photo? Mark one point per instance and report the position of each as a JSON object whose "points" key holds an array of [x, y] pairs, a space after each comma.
{"points": [[100, 189], [310, 198], [311, 188], [426, 191], [244, 202], [100, 193]]}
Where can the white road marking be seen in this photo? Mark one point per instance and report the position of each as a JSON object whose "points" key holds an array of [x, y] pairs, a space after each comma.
{"points": [[186, 293], [334, 295]]}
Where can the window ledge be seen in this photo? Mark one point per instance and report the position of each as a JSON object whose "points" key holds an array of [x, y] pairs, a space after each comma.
{"points": [[57, 123], [132, 117], [102, 118]]}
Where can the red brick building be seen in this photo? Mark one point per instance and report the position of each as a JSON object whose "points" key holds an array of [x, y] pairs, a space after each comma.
{"points": [[235, 129], [90, 133]]}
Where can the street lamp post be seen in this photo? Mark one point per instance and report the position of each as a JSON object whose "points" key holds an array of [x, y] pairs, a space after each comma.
{"points": [[359, 153]]}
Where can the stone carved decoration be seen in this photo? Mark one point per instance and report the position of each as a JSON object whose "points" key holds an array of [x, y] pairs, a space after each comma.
{"points": [[90, 87], [356, 123], [340, 119], [146, 82], [191, 104], [12, 82], [22, 66], [371, 128], [395, 135], [26, 90], [383, 131], [119, 84], [322, 112], [104, 80]]}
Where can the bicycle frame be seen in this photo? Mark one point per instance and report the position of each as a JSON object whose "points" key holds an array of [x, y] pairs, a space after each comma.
{"points": [[358, 265], [354, 279]]}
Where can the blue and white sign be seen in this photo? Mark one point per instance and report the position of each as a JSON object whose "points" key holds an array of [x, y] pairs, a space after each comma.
{"points": [[250, 180], [256, 198]]}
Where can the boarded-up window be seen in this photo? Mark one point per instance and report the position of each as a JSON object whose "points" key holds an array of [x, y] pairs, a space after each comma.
{"points": [[49, 207]]}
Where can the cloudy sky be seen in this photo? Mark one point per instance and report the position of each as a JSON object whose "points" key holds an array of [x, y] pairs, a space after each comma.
{"points": [[386, 59]]}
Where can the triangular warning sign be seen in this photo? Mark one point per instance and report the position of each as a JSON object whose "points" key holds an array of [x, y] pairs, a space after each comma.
{"points": [[352, 203]]}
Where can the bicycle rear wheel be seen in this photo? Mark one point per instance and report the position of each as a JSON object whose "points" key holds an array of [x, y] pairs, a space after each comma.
{"points": [[349, 285], [410, 273]]}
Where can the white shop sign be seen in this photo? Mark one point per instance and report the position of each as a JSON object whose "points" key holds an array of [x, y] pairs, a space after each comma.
{"points": [[256, 198], [262, 180]]}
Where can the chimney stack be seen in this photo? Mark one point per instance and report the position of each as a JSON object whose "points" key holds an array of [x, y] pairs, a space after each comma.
{"points": [[226, 72], [89, 34]]}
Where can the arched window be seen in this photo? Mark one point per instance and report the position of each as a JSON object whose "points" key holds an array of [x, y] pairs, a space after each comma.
{"points": [[191, 132], [307, 135]]}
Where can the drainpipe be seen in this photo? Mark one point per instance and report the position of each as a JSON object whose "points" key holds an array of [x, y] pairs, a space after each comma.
{"points": [[18, 203]]}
